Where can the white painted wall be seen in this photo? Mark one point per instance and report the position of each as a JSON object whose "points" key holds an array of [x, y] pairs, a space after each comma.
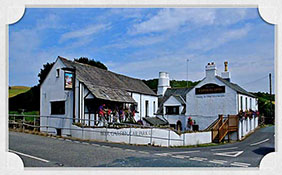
{"points": [[205, 108], [52, 89], [247, 125], [152, 107], [142, 136], [252, 103]]}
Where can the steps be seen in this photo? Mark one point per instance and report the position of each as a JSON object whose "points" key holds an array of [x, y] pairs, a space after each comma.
{"points": [[222, 127]]}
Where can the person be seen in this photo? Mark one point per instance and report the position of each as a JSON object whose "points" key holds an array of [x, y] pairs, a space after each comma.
{"points": [[121, 115], [102, 113], [190, 123]]}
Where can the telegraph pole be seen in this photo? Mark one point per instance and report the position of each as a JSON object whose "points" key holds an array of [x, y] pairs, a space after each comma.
{"points": [[270, 92]]}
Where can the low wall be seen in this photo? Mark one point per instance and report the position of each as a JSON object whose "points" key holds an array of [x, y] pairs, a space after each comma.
{"points": [[142, 136]]}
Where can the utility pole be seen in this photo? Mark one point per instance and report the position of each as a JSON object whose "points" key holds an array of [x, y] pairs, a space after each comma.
{"points": [[270, 92], [187, 72]]}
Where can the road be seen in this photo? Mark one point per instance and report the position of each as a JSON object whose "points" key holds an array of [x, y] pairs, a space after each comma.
{"points": [[40, 151]]}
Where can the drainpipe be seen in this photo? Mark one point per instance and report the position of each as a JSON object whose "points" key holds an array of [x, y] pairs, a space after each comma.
{"points": [[74, 79]]}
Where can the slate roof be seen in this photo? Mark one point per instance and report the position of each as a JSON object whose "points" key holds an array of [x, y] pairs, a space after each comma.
{"points": [[235, 87], [155, 121], [107, 85], [178, 93]]}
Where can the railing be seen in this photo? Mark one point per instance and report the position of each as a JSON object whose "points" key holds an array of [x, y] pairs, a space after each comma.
{"points": [[215, 128], [222, 127], [24, 124], [233, 122], [223, 130]]}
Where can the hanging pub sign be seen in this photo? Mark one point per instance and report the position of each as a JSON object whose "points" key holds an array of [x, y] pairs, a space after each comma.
{"points": [[210, 89], [68, 80]]}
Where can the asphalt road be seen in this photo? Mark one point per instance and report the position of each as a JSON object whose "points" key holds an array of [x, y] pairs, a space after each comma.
{"points": [[39, 151]]}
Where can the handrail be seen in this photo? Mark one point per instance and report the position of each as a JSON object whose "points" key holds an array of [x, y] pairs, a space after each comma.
{"points": [[223, 130], [216, 127]]}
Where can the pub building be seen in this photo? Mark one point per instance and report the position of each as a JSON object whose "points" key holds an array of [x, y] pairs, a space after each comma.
{"points": [[75, 93], [201, 104]]}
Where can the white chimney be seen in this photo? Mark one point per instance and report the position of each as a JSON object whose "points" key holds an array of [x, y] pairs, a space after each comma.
{"points": [[210, 70], [163, 83], [225, 75]]}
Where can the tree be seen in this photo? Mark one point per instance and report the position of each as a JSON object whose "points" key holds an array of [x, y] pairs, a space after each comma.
{"points": [[91, 62], [44, 72]]}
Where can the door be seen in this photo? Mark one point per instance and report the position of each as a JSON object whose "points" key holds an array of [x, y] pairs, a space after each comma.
{"points": [[146, 108]]}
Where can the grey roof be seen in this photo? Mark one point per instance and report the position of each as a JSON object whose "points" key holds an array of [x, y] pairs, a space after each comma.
{"points": [[107, 85], [178, 93], [235, 87], [155, 121]]}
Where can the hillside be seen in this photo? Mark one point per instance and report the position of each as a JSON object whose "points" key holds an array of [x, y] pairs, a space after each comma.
{"points": [[153, 83], [16, 90]]}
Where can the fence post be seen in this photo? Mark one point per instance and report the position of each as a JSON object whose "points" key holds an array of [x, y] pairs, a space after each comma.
{"points": [[169, 137], [47, 124], [151, 138], [183, 139], [129, 133], [23, 123], [14, 121], [106, 133], [82, 132]]}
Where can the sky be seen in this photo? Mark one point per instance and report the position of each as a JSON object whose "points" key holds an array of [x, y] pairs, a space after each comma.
{"points": [[141, 42]]}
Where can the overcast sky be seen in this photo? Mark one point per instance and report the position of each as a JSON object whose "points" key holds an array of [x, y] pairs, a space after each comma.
{"points": [[141, 42]]}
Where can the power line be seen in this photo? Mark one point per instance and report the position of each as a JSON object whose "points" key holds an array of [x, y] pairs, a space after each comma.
{"points": [[256, 80]]}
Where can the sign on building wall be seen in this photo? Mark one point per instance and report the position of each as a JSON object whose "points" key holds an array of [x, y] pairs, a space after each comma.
{"points": [[68, 80], [210, 89]]}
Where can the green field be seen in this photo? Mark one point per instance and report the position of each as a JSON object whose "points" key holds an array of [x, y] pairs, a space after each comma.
{"points": [[16, 90]]}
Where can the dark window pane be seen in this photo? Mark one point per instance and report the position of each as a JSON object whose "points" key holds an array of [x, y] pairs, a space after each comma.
{"points": [[58, 107], [172, 109]]}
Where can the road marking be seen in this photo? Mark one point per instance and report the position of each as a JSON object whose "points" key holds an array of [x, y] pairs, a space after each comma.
{"points": [[240, 164], [93, 144], [180, 157], [85, 143], [229, 154], [68, 140], [161, 154], [106, 146], [198, 158], [26, 155], [218, 161], [182, 152], [131, 150], [143, 152], [76, 141], [253, 144], [60, 139], [221, 149]]}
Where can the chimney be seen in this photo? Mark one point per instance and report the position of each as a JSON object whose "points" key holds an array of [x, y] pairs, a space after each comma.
{"points": [[163, 83], [225, 75], [210, 70]]}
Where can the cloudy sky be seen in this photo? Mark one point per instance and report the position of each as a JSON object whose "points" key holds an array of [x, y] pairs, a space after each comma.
{"points": [[140, 42]]}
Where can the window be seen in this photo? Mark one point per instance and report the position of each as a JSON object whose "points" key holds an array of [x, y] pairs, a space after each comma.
{"points": [[146, 108], [154, 107], [172, 110], [57, 73], [58, 107], [246, 100], [241, 103]]}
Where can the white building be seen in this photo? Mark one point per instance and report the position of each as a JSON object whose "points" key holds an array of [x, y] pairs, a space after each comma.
{"points": [[75, 90], [214, 95]]}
